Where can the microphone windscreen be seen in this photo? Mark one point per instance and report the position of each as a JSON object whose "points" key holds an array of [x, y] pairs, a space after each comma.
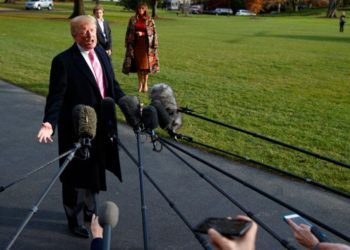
{"points": [[108, 214], [164, 93], [108, 115], [85, 121], [130, 107], [163, 115], [150, 117]]}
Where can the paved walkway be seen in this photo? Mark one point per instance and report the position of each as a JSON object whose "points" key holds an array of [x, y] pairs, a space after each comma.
{"points": [[21, 114]]}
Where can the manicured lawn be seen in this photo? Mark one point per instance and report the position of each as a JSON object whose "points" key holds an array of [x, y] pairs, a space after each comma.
{"points": [[285, 77]]}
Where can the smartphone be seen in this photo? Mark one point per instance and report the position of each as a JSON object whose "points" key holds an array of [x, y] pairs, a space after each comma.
{"points": [[225, 226], [297, 219]]}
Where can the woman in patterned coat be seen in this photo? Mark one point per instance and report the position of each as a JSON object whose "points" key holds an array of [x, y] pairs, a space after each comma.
{"points": [[141, 44]]}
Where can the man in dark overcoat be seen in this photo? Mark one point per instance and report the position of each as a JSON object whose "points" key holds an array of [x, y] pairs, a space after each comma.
{"points": [[74, 80]]}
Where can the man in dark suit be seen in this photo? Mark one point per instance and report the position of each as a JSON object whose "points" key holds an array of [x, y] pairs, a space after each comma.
{"points": [[104, 33], [76, 79]]}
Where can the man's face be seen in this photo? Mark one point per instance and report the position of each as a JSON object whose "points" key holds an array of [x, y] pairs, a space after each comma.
{"points": [[99, 14], [86, 36]]}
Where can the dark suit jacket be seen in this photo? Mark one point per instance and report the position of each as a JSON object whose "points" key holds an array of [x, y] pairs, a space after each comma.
{"points": [[72, 83], [106, 43], [96, 244]]}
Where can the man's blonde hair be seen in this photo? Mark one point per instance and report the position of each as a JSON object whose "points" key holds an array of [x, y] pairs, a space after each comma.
{"points": [[76, 22]]}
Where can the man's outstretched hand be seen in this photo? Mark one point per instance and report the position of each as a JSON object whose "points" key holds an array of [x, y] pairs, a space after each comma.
{"points": [[45, 133]]}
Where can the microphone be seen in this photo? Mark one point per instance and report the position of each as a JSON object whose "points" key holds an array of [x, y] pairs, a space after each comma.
{"points": [[163, 116], [108, 219], [84, 123], [165, 95], [150, 122], [130, 107], [108, 116], [149, 118]]}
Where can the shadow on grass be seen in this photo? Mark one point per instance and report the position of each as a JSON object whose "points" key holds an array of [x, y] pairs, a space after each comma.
{"points": [[297, 37], [310, 38], [241, 39]]}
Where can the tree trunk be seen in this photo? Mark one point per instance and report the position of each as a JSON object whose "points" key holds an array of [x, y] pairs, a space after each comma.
{"points": [[332, 8], [154, 9], [295, 4], [78, 8]]}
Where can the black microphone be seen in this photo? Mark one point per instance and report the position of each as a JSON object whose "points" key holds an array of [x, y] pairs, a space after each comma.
{"points": [[150, 122], [149, 118], [108, 219], [84, 122], [109, 118], [163, 115], [130, 107]]}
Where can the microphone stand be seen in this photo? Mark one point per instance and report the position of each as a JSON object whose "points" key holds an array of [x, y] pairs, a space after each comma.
{"points": [[35, 207], [3, 188], [143, 204], [107, 232]]}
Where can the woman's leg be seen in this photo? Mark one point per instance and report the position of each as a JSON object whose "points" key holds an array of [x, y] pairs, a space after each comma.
{"points": [[145, 81], [140, 78]]}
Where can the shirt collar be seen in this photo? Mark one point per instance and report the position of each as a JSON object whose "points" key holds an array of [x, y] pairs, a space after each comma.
{"points": [[82, 50]]}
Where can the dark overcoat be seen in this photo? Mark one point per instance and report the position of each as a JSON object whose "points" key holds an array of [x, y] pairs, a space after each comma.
{"points": [[73, 83], [105, 42]]}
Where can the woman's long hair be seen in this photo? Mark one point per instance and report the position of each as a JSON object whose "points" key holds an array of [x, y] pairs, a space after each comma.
{"points": [[145, 15]]}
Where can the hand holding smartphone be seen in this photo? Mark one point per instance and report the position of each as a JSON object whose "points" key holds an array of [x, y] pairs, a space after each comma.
{"points": [[225, 226], [297, 219]]}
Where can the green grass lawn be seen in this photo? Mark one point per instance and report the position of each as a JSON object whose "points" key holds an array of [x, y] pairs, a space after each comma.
{"points": [[285, 77]]}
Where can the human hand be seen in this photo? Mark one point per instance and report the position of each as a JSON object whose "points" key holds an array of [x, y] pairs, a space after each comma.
{"points": [[96, 229], [109, 52], [303, 235], [45, 133], [245, 242], [139, 33]]}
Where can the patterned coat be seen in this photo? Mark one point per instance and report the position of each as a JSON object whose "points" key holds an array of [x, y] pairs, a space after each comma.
{"points": [[129, 64]]}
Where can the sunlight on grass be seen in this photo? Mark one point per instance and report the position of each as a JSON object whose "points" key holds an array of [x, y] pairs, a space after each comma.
{"points": [[285, 77]]}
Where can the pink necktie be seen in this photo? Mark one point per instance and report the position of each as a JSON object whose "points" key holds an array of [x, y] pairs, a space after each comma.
{"points": [[97, 72]]}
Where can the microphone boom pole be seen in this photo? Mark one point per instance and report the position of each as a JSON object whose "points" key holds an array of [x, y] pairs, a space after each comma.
{"points": [[3, 188], [143, 204], [36, 206]]}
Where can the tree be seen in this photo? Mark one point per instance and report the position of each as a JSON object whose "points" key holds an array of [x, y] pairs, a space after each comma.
{"points": [[129, 4], [78, 9], [294, 5], [237, 4], [274, 4], [332, 8], [154, 4], [212, 4], [254, 5]]}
